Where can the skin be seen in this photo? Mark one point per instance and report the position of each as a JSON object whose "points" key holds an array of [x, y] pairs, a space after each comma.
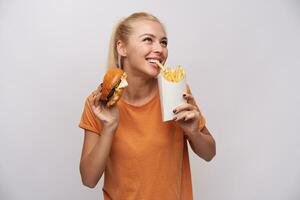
{"points": [[147, 40]]}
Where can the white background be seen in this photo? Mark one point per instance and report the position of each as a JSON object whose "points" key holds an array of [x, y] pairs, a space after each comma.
{"points": [[242, 59]]}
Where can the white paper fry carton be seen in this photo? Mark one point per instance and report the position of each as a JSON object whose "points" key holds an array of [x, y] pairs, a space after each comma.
{"points": [[170, 96]]}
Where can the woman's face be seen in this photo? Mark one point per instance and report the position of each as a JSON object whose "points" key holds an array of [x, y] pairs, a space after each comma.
{"points": [[146, 43]]}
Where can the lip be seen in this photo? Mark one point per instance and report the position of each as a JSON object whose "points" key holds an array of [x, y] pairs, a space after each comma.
{"points": [[153, 65]]}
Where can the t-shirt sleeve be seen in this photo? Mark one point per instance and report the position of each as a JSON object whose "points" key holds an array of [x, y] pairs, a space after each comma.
{"points": [[202, 119], [88, 120]]}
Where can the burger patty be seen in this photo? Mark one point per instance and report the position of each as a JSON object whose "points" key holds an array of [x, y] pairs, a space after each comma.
{"points": [[111, 93]]}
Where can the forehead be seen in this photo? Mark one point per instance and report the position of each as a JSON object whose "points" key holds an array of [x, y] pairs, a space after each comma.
{"points": [[148, 27]]}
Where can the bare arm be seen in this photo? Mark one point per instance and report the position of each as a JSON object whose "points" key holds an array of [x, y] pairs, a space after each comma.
{"points": [[188, 117], [94, 156], [203, 144], [96, 149]]}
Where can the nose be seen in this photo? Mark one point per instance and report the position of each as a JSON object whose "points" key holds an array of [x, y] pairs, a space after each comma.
{"points": [[157, 47]]}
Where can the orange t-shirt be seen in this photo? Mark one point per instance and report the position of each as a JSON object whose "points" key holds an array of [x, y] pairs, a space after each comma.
{"points": [[148, 158]]}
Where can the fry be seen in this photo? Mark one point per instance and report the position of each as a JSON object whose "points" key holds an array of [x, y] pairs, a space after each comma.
{"points": [[174, 75]]}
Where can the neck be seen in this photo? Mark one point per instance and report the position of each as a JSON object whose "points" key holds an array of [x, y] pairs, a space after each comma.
{"points": [[140, 90]]}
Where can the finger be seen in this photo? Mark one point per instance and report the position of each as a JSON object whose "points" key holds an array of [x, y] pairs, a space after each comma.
{"points": [[97, 99], [190, 116], [100, 87], [181, 116], [101, 107], [94, 108], [183, 107], [95, 92], [94, 103], [188, 96]]}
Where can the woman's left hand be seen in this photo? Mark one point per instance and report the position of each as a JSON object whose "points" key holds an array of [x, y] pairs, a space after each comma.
{"points": [[187, 116]]}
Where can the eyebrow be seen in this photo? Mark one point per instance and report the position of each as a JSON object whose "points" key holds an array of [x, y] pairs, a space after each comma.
{"points": [[151, 35]]}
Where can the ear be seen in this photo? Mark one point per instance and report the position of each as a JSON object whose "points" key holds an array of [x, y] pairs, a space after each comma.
{"points": [[121, 48]]}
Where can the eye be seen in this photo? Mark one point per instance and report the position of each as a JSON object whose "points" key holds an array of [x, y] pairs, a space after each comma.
{"points": [[164, 43], [147, 39]]}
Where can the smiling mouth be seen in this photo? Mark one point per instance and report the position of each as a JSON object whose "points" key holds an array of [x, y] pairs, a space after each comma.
{"points": [[153, 61]]}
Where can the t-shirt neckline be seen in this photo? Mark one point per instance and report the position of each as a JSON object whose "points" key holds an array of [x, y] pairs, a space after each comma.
{"points": [[144, 105]]}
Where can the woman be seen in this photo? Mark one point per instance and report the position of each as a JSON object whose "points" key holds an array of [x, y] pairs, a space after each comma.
{"points": [[141, 156]]}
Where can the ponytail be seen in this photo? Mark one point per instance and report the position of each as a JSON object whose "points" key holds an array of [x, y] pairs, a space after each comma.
{"points": [[113, 60]]}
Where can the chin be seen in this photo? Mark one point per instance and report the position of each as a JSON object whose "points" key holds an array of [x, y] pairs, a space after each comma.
{"points": [[154, 73], [150, 71]]}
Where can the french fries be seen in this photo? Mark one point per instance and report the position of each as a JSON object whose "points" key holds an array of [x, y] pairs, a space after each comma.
{"points": [[174, 75]]}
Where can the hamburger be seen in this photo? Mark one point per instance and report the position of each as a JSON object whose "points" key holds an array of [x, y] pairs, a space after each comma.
{"points": [[113, 84]]}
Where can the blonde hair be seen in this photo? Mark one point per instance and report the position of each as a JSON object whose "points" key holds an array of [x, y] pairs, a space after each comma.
{"points": [[122, 31]]}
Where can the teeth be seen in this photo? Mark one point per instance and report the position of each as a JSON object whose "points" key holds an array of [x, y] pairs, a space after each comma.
{"points": [[153, 61]]}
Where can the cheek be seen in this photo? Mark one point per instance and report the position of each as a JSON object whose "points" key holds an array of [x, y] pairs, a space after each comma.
{"points": [[165, 53], [136, 55], [139, 50]]}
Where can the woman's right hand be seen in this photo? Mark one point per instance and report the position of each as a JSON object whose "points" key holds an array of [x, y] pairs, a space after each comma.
{"points": [[108, 116]]}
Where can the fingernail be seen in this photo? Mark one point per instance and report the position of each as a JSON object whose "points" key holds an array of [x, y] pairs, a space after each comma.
{"points": [[174, 111], [184, 95], [174, 118]]}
